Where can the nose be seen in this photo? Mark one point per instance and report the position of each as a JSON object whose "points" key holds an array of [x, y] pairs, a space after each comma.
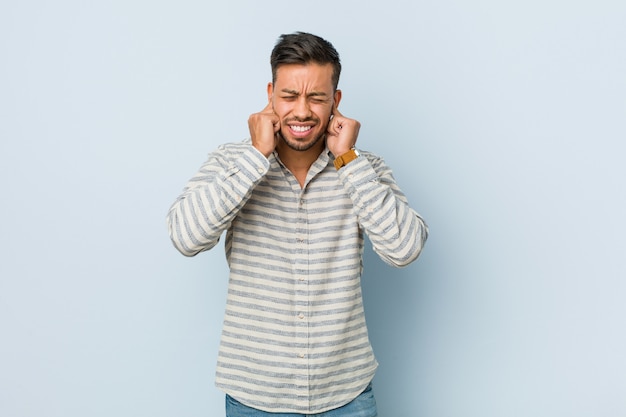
{"points": [[301, 109]]}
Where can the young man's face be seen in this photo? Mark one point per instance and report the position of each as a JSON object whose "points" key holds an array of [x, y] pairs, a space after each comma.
{"points": [[303, 98]]}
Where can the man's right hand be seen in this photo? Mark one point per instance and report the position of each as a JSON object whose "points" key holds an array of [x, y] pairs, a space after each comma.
{"points": [[263, 128]]}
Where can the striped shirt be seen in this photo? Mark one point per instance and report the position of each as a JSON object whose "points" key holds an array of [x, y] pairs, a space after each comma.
{"points": [[294, 337]]}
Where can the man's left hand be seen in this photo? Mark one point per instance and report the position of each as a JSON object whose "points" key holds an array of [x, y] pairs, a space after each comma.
{"points": [[342, 133]]}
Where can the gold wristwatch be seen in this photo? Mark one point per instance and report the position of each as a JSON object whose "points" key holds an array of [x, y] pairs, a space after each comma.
{"points": [[343, 160]]}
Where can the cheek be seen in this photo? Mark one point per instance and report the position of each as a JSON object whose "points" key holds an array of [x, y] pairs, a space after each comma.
{"points": [[323, 113]]}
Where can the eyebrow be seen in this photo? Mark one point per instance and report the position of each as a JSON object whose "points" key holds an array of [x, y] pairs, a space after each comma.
{"points": [[311, 94]]}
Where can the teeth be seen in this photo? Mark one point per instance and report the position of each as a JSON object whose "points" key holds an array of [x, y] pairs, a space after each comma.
{"points": [[300, 128]]}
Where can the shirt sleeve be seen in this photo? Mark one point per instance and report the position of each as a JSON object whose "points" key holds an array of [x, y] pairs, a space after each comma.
{"points": [[214, 196], [396, 231]]}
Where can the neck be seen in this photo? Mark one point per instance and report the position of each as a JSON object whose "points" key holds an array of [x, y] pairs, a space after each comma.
{"points": [[299, 160]]}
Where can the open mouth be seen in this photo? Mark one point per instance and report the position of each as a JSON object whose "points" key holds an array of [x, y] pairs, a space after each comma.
{"points": [[300, 130]]}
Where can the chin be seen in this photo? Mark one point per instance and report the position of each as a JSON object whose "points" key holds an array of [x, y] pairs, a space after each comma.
{"points": [[299, 144]]}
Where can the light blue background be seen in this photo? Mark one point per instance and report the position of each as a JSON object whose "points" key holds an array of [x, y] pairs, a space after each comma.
{"points": [[504, 122]]}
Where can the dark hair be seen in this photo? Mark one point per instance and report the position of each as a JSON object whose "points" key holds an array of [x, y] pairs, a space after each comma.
{"points": [[303, 48]]}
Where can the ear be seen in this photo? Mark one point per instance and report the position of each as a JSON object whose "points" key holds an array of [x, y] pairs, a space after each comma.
{"points": [[270, 92], [337, 97]]}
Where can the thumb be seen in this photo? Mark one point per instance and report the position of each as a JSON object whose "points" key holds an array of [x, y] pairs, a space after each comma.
{"points": [[336, 112], [269, 108]]}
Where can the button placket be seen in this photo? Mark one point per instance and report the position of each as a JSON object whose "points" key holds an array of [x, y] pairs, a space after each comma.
{"points": [[302, 262]]}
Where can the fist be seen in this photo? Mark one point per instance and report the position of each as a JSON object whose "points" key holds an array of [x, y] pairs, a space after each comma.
{"points": [[342, 133], [263, 128]]}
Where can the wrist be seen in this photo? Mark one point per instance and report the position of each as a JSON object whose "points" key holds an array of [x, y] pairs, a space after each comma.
{"points": [[264, 150]]}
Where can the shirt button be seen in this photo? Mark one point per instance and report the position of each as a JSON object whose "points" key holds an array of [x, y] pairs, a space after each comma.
{"points": [[260, 170], [301, 355], [301, 316]]}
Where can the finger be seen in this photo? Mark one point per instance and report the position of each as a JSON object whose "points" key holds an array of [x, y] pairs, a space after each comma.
{"points": [[334, 127], [337, 122], [276, 123], [336, 112], [268, 108]]}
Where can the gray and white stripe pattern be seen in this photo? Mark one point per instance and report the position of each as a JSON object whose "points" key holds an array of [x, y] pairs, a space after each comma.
{"points": [[294, 337]]}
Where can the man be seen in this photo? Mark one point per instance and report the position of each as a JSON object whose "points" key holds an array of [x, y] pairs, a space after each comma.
{"points": [[295, 200]]}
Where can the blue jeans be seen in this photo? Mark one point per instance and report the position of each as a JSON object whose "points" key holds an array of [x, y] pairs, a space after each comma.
{"points": [[362, 406]]}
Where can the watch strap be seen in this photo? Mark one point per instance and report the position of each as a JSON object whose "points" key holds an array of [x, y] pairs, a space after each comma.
{"points": [[342, 160]]}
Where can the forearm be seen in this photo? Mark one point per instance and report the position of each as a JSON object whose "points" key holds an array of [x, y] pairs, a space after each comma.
{"points": [[396, 231], [213, 197]]}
